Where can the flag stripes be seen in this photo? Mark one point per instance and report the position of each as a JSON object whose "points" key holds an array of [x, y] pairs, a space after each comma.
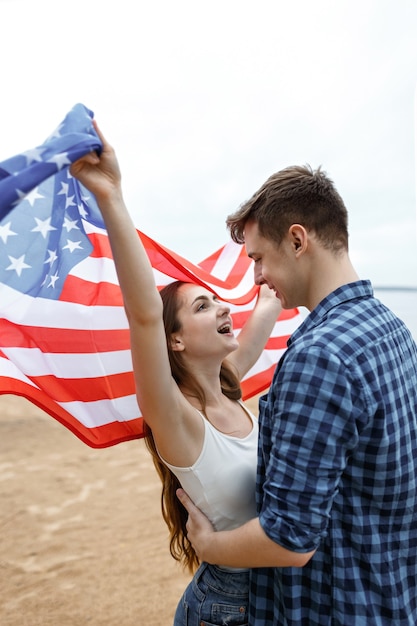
{"points": [[64, 335]]}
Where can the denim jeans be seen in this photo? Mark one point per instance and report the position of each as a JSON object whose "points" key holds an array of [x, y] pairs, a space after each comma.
{"points": [[214, 597]]}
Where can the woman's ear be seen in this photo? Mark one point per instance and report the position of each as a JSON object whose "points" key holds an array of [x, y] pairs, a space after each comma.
{"points": [[176, 343]]}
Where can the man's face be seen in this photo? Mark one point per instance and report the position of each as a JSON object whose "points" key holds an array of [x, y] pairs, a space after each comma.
{"points": [[274, 265]]}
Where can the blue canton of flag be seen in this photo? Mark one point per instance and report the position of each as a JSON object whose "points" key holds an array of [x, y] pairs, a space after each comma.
{"points": [[42, 208]]}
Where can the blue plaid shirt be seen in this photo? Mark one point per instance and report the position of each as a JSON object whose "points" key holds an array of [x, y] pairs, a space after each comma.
{"points": [[337, 470]]}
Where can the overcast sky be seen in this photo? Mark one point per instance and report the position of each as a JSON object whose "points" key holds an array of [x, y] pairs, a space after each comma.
{"points": [[203, 101]]}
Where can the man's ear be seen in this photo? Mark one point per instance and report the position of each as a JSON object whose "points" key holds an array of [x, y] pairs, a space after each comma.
{"points": [[176, 343], [298, 238]]}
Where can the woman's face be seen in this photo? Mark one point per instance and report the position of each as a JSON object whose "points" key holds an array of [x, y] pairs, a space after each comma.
{"points": [[206, 323]]}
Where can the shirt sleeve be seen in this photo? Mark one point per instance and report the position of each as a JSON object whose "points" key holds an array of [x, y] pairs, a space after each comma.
{"points": [[312, 414]]}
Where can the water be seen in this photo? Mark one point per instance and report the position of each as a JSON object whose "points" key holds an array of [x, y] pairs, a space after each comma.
{"points": [[403, 302]]}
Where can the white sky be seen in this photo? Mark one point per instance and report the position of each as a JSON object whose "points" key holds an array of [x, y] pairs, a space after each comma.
{"points": [[203, 101]]}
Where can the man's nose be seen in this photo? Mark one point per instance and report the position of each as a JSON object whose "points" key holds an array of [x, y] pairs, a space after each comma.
{"points": [[259, 279]]}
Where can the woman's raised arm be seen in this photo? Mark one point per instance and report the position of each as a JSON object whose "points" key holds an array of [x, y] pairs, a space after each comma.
{"points": [[158, 395]]}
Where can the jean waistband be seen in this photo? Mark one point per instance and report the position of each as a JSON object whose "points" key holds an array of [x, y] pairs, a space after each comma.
{"points": [[237, 570]]}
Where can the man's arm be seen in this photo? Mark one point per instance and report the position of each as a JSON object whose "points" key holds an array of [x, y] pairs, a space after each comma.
{"points": [[246, 546]]}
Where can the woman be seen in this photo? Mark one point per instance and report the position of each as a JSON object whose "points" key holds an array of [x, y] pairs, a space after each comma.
{"points": [[188, 365]]}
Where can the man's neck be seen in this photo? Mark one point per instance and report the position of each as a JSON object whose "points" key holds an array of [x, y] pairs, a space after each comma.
{"points": [[330, 272]]}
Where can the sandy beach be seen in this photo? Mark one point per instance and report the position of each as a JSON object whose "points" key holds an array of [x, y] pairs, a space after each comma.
{"points": [[82, 539]]}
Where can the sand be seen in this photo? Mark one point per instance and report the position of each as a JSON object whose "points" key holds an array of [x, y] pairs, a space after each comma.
{"points": [[82, 541]]}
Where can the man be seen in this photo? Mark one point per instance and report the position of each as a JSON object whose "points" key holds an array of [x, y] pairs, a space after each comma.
{"points": [[335, 540]]}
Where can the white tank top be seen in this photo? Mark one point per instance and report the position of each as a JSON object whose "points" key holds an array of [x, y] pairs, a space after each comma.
{"points": [[222, 480]]}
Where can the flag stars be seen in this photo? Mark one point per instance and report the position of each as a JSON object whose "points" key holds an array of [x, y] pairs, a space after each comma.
{"points": [[33, 155], [82, 211], [69, 201], [72, 245], [60, 160], [18, 265], [64, 189], [70, 224], [43, 227], [44, 197], [33, 195], [52, 281], [5, 232], [52, 258], [21, 195]]}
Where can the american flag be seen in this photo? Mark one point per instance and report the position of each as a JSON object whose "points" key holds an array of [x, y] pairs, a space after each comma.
{"points": [[64, 337]]}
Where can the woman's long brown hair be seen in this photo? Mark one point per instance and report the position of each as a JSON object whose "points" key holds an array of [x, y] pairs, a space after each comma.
{"points": [[173, 513]]}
